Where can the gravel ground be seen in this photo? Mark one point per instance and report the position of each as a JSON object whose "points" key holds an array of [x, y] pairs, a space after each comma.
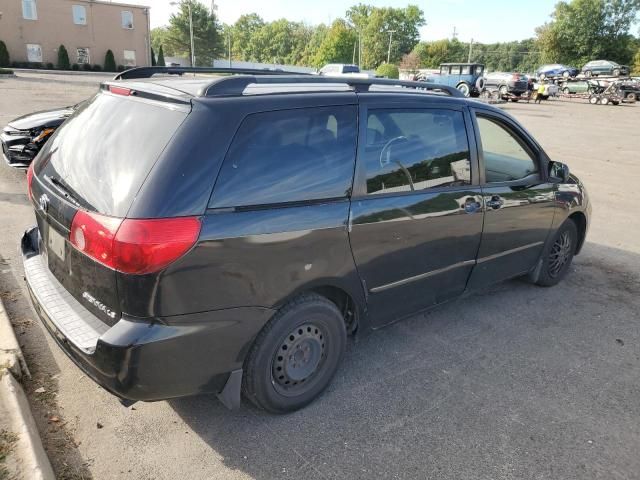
{"points": [[513, 382]]}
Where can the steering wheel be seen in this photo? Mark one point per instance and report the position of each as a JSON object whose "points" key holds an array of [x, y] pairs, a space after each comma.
{"points": [[386, 149]]}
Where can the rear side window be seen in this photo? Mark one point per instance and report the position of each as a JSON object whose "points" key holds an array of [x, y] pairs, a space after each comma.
{"points": [[289, 156], [106, 149], [410, 150]]}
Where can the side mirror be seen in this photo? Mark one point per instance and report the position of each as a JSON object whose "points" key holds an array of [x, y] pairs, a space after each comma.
{"points": [[559, 171]]}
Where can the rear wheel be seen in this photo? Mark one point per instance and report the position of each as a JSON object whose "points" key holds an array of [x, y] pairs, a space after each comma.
{"points": [[565, 74], [594, 100], [604, 101], [566, 90], [616, 72], [295, 356], [504, 90], [631, 97], [558, 255], [465, 89], [588, 73]]}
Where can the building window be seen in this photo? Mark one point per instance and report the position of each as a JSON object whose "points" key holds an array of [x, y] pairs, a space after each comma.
{"points": [[129, 58], [83, 55], [79, 14], [34, 53], [29, 11], [127, 19]]}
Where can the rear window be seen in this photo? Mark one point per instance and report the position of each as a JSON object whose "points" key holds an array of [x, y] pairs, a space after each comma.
{"points": [[289, 156], [106, 149]]}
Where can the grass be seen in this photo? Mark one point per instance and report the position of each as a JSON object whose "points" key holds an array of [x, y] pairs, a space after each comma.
{"points": [[7, 439]]}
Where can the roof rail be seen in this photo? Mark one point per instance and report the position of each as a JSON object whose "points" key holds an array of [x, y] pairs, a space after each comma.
{"points": [[235, 85], [148, 72]]}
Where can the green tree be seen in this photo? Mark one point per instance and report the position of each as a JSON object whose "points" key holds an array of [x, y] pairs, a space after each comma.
{"points": [[388, 70], [63, 58], [109, 62], [584, 30], [160, 61], [636, 63], [4, 55], [160, 36], [153, 58], [242, 33], [337, 46], [374, 26], [207, 42]]}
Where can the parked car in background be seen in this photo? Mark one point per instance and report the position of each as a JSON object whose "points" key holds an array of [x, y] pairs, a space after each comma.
{"points": [[579, 86], [23, 137], [340, 69], [556, 70], [506, 83], [220, 240], [629, 90], [604, 67], [466, 77]]}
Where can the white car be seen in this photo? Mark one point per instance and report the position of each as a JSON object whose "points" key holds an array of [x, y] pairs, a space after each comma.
{"points": [[342, 70]]}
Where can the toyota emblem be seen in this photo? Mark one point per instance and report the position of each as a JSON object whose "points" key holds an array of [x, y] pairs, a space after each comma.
{"points": [[44, 202]]}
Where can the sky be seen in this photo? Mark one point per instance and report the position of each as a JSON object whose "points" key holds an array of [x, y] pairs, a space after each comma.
{"points": [[481, 20]]}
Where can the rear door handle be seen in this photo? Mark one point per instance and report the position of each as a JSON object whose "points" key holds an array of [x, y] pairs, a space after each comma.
{"points": [[495, 202]]}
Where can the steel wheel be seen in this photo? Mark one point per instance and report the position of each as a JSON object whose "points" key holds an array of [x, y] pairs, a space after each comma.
{"points": [[298, 359], [560, 254]]}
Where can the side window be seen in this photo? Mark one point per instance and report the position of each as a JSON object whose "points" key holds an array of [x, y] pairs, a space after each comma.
{"points": [[289, 156], [409, 150], [455, 70], [444, 70], [506, 157], [466, 70]]}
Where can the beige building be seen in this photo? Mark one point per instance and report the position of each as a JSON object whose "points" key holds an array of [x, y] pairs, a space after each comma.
{"points": [[34, 29]]}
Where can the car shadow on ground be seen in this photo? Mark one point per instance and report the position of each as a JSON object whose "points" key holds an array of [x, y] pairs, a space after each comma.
{"points": [[514, 381]]}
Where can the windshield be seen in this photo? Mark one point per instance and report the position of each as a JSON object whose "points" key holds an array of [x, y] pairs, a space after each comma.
{"points": [[104, 151]]}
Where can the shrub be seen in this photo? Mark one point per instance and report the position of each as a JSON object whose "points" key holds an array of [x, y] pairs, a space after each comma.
{"points": [[63, 58], [97, 68], [388, 70], [86, 67], [4, 55], [49, 66], [109, 62], [75, 67], [6, 71], [153, 58], [160, 61]]}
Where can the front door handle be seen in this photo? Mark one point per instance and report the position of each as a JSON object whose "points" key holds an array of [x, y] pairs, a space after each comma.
{"points": [[471, 205], [494, 202]]}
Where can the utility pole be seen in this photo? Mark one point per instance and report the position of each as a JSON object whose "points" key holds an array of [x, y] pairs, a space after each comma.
{"points": [[229, 38], [360, 49], [454, 36], [391, 32], [470, 47]]}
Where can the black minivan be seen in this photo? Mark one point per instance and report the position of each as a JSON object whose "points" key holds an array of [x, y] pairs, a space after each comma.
{"points": [[226, 234]]}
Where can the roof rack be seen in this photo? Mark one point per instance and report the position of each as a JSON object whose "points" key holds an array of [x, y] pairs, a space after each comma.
{"points": [[148, 72], [235, 85]]}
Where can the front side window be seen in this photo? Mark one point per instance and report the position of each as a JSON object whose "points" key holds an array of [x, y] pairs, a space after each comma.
{"points": [[79, 14], [83, 55], [506, 157], [466, 70], [129, 58], [289, 156], [34, 52], [479, 69], [29, 10], [127, 19], [410, 150]]}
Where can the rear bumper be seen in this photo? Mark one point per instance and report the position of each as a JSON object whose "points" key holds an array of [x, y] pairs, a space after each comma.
{"points": [[150, 359]]}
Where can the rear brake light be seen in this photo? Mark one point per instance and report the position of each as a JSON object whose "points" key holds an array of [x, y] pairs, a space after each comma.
{"points": [[119, 90], [30, 179], [133, 246]]}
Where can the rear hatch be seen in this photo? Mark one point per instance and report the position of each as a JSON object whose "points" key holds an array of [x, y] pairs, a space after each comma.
{"points": [[92, 168]]}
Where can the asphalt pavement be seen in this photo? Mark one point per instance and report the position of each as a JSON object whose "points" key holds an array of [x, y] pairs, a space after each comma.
{"points": [[515, 382]]}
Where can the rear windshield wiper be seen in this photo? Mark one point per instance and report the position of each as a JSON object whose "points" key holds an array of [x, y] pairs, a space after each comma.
{"points": [[68, 192]]}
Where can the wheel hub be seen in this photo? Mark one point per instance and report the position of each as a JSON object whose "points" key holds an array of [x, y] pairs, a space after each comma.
{"points": [[560, 254], [298, 357]]}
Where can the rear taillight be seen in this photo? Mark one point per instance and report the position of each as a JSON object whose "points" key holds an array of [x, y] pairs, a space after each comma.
{"points": [[30, 179], [120, 90], [133, 246]]}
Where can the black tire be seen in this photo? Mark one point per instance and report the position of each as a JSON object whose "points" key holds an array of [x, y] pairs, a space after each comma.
{"points": [[558, 255], [616, 72], [312, 330], [566, 90], [588, 73]]}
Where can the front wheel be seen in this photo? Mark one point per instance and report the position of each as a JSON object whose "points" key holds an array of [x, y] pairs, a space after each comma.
{"points": [[616, 72], [566, 90], [295, 356], [588, 73], [558, 255]]}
